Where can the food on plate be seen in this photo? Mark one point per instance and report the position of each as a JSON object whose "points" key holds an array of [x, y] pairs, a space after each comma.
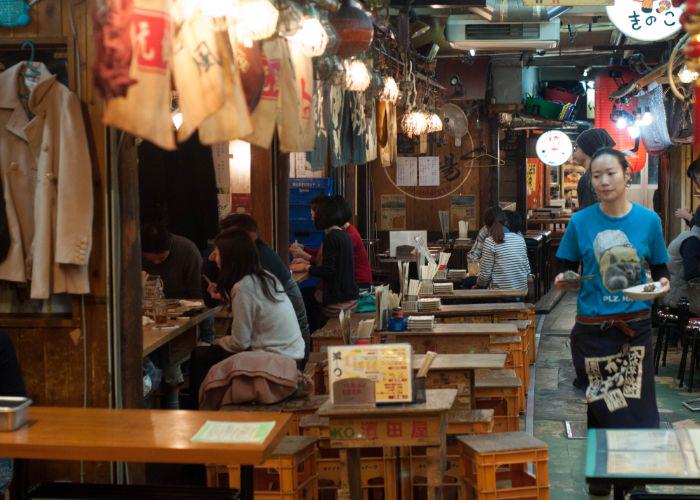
{"points": [[649, 287]]}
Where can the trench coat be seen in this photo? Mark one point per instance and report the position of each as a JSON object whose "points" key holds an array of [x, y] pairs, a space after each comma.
{"points": [[47, 182]]}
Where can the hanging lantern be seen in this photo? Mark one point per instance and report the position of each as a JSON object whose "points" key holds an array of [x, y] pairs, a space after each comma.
{"points": [[391, 90], [414, 122], [357, 77], [290, 18], [333, 39], [311, 36], [257, 20], [434, 123]]}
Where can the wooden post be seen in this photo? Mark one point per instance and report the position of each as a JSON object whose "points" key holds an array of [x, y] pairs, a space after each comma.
{"points": [[281, 212]]}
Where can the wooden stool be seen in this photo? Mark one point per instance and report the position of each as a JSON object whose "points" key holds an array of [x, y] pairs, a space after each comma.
{"points": [[514, 360], [414, 473], [499, 390], [289, 474], [465, 421], [491, 459]]}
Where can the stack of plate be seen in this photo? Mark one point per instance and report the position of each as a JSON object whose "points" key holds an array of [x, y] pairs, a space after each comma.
{"points": [[425, 305], [421, 322], [443, 288], [457, 274], [426, 287]]}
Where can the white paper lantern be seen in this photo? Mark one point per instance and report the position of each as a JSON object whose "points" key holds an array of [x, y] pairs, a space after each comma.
{"points": [[257, 20], [357, 77]]}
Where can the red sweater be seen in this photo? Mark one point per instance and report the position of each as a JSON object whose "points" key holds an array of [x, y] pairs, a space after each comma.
{"points": [[363, 272]]}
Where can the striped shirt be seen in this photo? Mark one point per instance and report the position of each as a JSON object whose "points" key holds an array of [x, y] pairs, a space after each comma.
{"points": [[504, 265]]}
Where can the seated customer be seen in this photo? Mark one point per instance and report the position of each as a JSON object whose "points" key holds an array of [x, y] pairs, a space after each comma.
{"points": [[514, 222], [263, 316], [490, 216], [684, 266], [504, 262], [363, 271], [11, 384], [272, 263], [174, 258]]}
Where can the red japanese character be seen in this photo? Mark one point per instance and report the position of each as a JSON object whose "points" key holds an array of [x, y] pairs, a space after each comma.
{"points": [[394, 429], [420, 429], [369, 429]]}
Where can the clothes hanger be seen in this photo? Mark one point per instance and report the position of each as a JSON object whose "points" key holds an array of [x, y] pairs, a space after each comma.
{"points": [[30, 72]]}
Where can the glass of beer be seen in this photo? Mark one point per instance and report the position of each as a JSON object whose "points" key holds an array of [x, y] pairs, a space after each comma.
{"points": [[160, 311]]}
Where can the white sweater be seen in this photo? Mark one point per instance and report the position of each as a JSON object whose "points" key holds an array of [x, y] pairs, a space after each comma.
{"points": [[262, 325]]}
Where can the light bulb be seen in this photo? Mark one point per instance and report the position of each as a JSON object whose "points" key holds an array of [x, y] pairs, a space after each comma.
{"points": [[434, 123], [357, 77], [687, 75], [177, 119], [472, 52], [621, 123], [638, 123], [311, 36], [647, 119], [633, 131], [257, 21], [390, 92]]}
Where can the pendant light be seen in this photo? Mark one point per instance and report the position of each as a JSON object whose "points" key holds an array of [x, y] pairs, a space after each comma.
{"points": [[257, 21], [357, 77], [390, 92], [311, 35], [290, 18]]}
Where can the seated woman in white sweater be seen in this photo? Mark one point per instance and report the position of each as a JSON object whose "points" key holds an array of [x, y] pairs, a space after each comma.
{"points": [[263, 317], [504, 263]]}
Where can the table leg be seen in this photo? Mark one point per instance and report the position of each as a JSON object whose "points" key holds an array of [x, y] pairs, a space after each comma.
{"points": [[618, 492], [435, 469], [350, 480], [247, 487]]}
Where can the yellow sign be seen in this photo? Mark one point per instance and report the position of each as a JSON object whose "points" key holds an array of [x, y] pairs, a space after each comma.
{"points": [[388, 365], [532, 175], [568, 3]]}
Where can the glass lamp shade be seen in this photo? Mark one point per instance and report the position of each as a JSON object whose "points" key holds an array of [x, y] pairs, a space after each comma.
{"points": [[257, 21], [312, 37], [390, 92], [357, 77]]}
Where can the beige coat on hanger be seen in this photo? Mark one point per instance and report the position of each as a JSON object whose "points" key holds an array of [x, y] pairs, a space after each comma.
{"points": [[47, 181]]}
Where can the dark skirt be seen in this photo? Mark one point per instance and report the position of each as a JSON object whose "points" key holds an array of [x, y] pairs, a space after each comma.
{"points": [[618, 373]]}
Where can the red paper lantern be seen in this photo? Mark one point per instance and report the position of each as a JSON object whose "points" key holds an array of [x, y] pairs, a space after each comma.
{"points": [[604, 86]]}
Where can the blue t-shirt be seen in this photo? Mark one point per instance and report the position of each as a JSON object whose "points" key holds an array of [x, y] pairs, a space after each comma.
{"points": [[613, 250]]}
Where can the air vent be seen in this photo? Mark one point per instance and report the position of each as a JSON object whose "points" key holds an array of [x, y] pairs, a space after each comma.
{"points": [[502, 31]]}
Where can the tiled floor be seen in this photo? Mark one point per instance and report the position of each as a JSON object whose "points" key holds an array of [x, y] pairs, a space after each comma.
{"points": [[557, 400]]}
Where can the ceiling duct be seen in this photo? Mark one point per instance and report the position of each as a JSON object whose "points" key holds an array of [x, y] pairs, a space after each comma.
{"points": [[467, 33], [514, 11]]}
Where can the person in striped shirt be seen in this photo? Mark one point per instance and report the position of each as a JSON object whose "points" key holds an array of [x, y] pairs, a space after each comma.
{"points": [[504, 263]]}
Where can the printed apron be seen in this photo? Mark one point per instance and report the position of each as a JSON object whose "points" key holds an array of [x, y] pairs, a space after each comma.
{"points": [[619, 373]]}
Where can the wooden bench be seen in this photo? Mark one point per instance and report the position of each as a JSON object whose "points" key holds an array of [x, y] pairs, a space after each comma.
{"points": [[500, 391]]}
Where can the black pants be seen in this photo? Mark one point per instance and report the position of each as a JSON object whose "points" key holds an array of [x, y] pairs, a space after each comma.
{"points": [[11, 383]]}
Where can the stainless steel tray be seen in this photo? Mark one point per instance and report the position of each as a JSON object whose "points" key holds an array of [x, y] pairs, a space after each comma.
{"points": [[13, 412]]}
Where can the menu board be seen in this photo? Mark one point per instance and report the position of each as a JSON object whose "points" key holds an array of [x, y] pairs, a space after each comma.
{"points": [[393, 212], [388, 365]]}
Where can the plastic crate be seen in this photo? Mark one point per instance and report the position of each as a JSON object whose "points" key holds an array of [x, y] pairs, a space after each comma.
{"points": [[301, 211]]}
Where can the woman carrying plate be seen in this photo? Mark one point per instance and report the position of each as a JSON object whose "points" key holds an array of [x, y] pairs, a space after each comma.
{"points": [[611, 341]]}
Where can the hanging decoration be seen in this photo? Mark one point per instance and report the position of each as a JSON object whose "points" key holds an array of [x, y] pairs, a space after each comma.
{"points": [[112, 21], [289, 19], [311, 35], [390, 92], [648, 21], [554, 148], [354, 27], [434, 123], [357, 77], [257, 20]]}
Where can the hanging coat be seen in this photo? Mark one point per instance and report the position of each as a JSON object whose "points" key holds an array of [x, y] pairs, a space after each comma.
{"points": [[145, 111], [198, 73], [47, 183]]}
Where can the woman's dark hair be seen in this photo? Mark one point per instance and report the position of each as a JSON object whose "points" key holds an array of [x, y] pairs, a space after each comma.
{"points": [[317, 200], [495, 219], [618, 155], [514, 221], [693, 169], [239, 258], [239, 221], [329, 213], [344, 207]]}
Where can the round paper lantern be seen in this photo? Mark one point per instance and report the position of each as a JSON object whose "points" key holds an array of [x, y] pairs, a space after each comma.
{"points": [[354, 27]]}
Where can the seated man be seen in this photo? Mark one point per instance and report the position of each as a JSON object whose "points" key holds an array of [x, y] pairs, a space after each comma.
{"points": [[11, 384], [174, 258], [272, 263], [178, 262]]}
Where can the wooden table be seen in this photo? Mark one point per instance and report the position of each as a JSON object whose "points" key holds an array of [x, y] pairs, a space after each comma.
{"points": [[485, 313], [155, 337], [479, 294], [422, 424], [628, 458], [155, 436]]}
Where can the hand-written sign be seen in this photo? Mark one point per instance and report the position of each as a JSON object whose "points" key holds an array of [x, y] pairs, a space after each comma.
{"points": [[353, 392], [389, 366]]}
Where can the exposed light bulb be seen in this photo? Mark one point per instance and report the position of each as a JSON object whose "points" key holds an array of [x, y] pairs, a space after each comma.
{"points": [[472, 52], [311, 36], [177, 119], [647, 119], [357, 77], [621, 123], [434, 123], [633, 131], [687, 75], [257, 20], [390, 92]]}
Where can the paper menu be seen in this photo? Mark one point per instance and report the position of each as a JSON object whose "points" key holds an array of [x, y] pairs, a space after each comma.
{"points": [[428, 171], [233, 432], [389, 365], [406, 171]]}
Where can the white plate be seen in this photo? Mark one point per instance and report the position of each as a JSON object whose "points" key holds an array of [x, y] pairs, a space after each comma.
{"points": [[638, 293]]}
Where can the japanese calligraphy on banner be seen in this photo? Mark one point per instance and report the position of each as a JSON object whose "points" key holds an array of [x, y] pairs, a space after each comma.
{"points": [[647, 20], [389, 365]]}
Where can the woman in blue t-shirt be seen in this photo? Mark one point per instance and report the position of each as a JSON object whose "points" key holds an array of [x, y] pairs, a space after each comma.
{"points": [[611, 340]]}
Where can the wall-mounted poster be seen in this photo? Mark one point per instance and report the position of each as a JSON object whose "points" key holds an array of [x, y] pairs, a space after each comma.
{"points": [[463, 207], [393, 212]]}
